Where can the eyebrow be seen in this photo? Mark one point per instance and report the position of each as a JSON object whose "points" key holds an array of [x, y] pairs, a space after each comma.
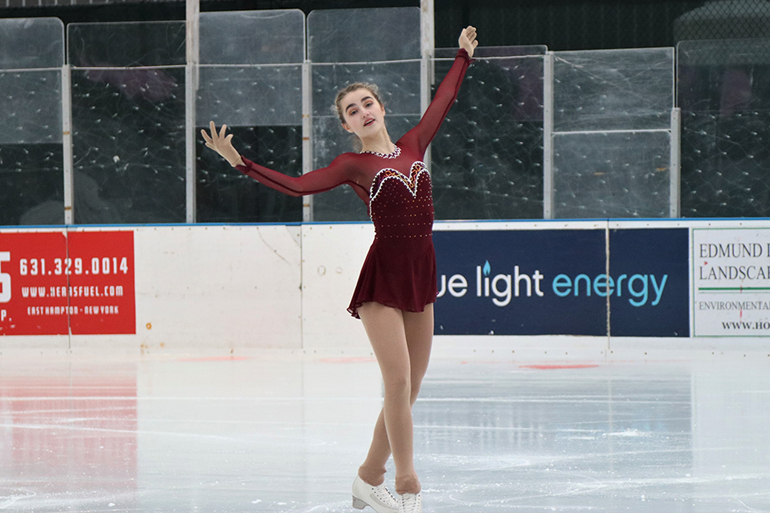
{"points": [[362, 100]]}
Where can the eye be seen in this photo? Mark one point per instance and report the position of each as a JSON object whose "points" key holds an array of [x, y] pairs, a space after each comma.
{"points": [[352, 112]]}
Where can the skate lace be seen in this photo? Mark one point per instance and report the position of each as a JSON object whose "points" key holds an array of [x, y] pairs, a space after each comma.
{"points": [[410, 503], [384, 495]]}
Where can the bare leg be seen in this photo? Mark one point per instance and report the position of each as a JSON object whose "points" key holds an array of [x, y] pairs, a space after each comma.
{"points": [[389, 329], [419, 339], [373, 469]]}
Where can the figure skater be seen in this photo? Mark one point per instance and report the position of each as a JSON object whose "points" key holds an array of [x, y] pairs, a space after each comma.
{"points": [[397, 286]]}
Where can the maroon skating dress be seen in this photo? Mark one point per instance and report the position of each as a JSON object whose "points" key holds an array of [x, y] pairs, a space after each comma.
{"points": [[400, 269]]}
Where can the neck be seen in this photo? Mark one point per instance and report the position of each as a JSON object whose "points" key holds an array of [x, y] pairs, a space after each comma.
{"points": [[378, 143]]}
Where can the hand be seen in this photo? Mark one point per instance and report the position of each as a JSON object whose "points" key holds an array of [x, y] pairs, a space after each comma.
{"points": [[222, 145], [468, 40]]}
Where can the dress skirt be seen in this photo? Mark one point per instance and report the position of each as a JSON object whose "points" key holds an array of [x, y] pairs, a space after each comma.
{"points": [[397, 273]]}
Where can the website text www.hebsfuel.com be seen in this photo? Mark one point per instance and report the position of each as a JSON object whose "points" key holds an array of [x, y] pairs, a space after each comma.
{"points": [[105, 291], [80, 291]]}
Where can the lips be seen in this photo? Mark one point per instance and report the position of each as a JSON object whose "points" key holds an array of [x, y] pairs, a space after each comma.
{"points": [[369, 122]]}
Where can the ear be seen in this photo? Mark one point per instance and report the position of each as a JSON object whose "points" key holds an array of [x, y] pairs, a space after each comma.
{"points": [[347, 128]]}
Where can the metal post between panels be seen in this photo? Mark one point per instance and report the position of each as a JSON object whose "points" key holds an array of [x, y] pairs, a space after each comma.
{"points": [[307, 130], [427, 47], [191, 90], [66, 103], [675, 201], [548, 106]]}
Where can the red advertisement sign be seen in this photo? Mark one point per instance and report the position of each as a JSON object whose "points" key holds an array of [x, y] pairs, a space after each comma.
{"points": [[59, 283]]}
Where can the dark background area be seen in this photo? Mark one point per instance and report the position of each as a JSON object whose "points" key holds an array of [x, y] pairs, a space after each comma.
{"points": [[722, 93], [559, 24]]}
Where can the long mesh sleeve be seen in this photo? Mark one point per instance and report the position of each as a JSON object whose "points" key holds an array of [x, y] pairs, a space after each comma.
{"points": [[426, 129], [337, 173]]}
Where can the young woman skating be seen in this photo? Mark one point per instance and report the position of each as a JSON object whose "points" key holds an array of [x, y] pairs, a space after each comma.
{"points": [[397, 286]]}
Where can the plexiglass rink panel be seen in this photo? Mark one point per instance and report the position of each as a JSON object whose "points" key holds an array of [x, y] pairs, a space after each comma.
{"points": [[250, 95], [360, 45], [31, 57], [613, 90], [251, 81], [154, 43], [129, 145], [31, 43], [252, 37], [31, 184], [487, 158], [724, 94], [31, 159], [612, 175], [128, 123], [30, 106], [364, 35], [262, 107], [225, 195]]}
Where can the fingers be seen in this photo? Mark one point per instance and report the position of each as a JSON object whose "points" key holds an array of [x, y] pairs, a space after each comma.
{"points": [[212, 141], [210, 138], [470, 32], [209, 142], [216, 135], [213, 129]]}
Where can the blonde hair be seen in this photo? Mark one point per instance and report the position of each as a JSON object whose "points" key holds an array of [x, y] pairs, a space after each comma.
{"points": [[349, 89]]}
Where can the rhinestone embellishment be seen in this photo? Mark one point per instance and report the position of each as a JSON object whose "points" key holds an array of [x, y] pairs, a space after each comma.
{"points": [[411, 182], [393, 155]]}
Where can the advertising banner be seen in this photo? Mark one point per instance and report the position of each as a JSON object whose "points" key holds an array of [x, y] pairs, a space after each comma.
{"points": [[59, 283], [651, 296], [731, 275], [556, 282], [520, 282]]}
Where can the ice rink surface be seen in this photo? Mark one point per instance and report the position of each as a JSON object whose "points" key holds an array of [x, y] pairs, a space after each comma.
{"points": [[286, 433]]}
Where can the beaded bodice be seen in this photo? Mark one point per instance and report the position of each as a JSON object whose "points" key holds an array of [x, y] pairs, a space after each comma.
{"points": [[401, 207]]}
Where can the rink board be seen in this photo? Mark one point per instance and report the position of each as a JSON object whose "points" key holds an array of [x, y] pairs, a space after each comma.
{"points": [[233, 288]]}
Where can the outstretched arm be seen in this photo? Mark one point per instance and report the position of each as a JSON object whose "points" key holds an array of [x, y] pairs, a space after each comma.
{"points": [[446, 93], [320, 180]]}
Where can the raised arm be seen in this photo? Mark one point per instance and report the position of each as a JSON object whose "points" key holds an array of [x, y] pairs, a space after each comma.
{"points": [[337, 173], [446, 93]]}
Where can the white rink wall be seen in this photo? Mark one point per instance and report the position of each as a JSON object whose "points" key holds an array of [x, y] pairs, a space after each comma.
{"points": [[232, 290], [242, 289], [223, 288], [213, 289], [332, 255]]}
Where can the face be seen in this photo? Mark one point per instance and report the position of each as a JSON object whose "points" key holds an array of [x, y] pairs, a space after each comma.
{"points": [[363, 114]]}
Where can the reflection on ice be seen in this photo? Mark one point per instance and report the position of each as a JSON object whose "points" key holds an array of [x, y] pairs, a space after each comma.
{"points": [[286, 434]]}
